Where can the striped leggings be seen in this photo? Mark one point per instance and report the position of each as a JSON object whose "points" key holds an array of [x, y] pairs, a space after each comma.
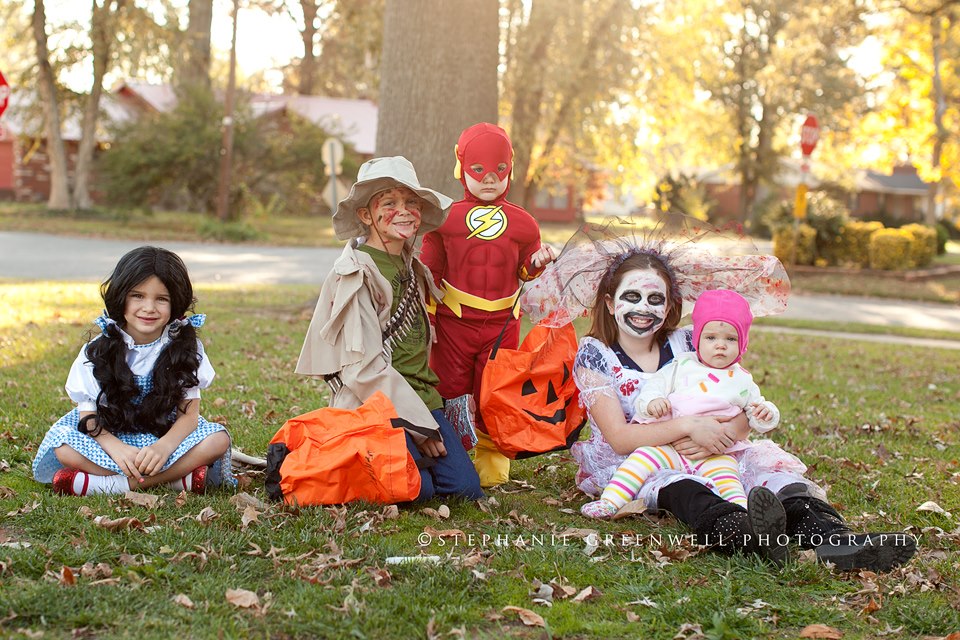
{"points": [[720, 470]]}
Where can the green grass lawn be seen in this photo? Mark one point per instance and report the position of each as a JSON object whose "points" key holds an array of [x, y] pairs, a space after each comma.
{"points": [[877, 426]]}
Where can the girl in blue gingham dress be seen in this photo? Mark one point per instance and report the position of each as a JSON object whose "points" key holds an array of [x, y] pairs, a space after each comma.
{"points": [[137, 387]]}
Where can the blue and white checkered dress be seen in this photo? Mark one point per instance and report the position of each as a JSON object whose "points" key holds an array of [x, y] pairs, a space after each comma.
{"points": [[83, 388]]}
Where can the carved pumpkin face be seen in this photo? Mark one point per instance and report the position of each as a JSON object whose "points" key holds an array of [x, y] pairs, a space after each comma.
{"points": [[530, 401]]}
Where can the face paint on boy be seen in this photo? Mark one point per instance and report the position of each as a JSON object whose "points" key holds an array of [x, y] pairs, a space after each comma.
{"points": [[396, 214], [640, 303]]}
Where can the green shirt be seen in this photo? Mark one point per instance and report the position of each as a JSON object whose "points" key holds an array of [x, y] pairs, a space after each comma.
{"points": [[410, 357]]}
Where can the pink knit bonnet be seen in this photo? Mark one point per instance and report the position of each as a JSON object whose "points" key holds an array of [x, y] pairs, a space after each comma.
{"points": [[725, 306]]}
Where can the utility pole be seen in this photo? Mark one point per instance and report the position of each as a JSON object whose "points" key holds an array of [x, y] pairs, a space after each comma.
{"points": [[226, 143]]}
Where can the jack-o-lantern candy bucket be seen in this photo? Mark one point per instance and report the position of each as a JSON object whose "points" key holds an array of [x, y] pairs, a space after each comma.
{"points": [[528, 398]]}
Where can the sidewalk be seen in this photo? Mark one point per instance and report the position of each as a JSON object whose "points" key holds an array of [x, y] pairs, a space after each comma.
{"points": [[34, 256]]}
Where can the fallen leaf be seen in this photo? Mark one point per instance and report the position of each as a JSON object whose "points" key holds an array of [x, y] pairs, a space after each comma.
{"points": [[527, 617], [244, 500], [183, 601], [820, 631], [249, 515], [96, 571], [589, 593], [632, 617], [242, 598], [870, 607], [391, 512], [445, 533], [930, 505], [119, 524], [444, 511], [381, 577], [207, 515], [632, 508], [219, 402], [67, 578], [147, 500]]}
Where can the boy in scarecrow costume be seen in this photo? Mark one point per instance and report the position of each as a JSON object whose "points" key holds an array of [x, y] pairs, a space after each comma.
{"points": [[370, 329], [478, 258]]}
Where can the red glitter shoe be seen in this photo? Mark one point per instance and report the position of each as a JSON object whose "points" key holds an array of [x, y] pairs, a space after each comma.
{"points": [[194, 482], [63, 482]]}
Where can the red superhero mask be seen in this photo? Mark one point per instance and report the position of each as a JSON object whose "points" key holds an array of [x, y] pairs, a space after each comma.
{"points": [[487, 145]]}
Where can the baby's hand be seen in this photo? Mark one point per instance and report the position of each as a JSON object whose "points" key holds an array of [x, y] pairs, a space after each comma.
{"points": [[761, 412], [658, 407]]}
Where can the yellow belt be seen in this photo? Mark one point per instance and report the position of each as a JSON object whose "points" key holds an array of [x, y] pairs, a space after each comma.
{"points": [[455, 299]]}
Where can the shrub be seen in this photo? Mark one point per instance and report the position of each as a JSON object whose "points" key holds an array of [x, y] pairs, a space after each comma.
{"points": [[769, 215], [211, 229], [943, 234], [855, 242], [172, 160], [795, 245], [827, 216], [683, 194], [890, 249], [923, 244]]}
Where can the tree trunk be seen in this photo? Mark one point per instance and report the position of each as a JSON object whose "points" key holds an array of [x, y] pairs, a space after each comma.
{"points": [[528, 94], [939, 108], [101, 35], [438, 76], [308, 66], [585, 66], [195, 68], [56, 153]]}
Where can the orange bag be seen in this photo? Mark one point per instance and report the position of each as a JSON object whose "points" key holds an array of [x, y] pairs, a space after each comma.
{"points": [[333, 456], [528, 398]]}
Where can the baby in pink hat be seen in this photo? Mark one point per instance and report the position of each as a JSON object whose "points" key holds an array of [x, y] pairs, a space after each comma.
{"points": [[709, 381]]}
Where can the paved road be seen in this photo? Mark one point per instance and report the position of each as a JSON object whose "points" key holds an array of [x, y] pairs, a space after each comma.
{"points": [[48, 257], [37, 256]]}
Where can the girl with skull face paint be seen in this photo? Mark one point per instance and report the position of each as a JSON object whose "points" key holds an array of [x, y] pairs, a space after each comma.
{"points": [[619, 282], [633, 334]]}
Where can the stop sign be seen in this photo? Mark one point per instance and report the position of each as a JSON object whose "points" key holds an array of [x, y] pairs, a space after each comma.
{"points": [[809, 134], [4, 94]]}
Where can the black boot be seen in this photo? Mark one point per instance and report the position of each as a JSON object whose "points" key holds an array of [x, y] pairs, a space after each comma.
{"points": [[729, 527], [817, 525]]}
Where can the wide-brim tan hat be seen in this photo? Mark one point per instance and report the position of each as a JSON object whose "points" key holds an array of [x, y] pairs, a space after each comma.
{"points": [[380, 174]]}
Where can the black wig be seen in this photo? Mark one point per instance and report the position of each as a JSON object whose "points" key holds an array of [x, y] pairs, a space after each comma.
{"points": [[176, 368]]}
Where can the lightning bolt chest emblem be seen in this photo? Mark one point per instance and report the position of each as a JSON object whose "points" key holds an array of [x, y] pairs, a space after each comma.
{"points": [[486, 222]]}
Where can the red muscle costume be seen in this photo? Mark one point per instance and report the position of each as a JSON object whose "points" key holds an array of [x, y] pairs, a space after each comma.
{"points": [[478, 257]]}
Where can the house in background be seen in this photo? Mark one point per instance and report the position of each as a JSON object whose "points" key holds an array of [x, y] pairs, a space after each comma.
{"points": [[722, 188], [24, 165], [901, 196]]}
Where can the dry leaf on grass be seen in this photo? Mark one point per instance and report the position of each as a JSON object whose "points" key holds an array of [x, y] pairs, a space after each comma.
{"points": [[444, 533], [249, 515], [381, 577], [391, 512], [870, 607], [121, 524], [243, 500], [147, 500], [932, 506], [527, 617], [590, 593], [183, 601], [207, 515], [67, 578], [242, 598], [97, 571], [820, 631]]}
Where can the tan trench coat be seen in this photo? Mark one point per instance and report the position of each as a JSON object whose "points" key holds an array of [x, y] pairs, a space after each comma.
{"points": [[346, 337]]}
